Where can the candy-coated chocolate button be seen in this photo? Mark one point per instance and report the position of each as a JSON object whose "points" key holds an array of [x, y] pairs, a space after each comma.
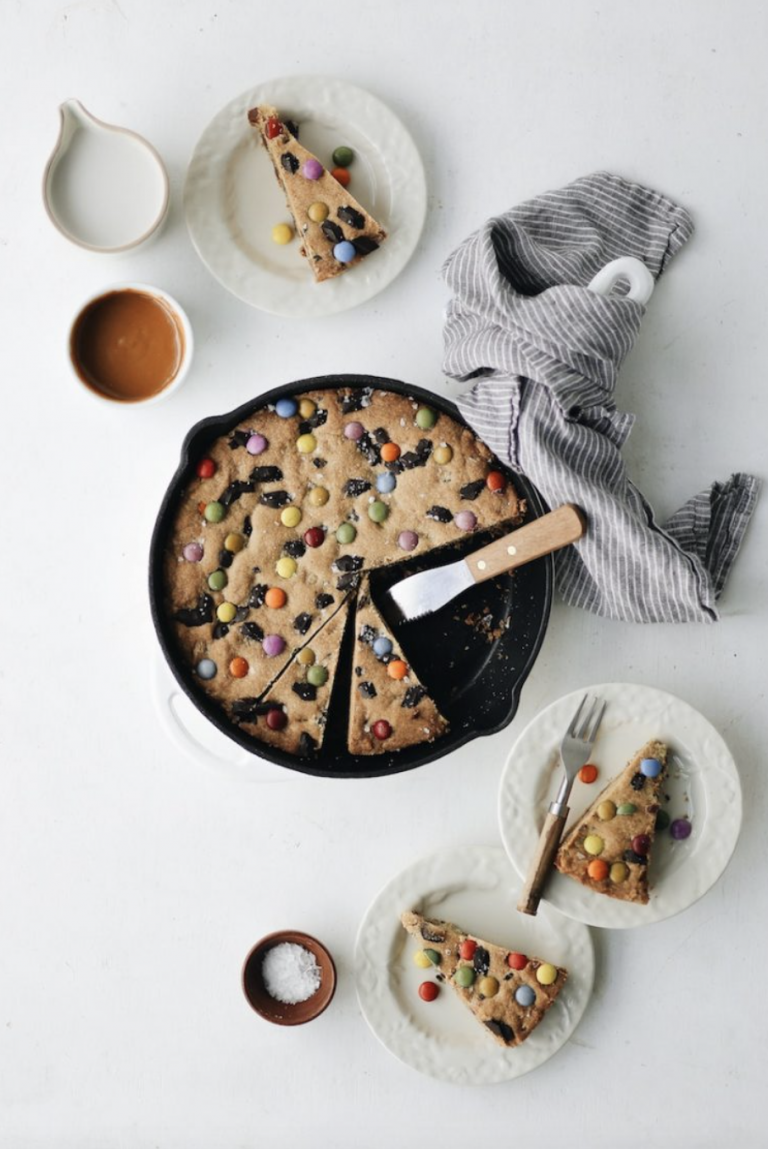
{"points": [[467, 949], [286, 567], [306, 656], [317, 675], [238, 668], [680, 829], [276, 719], [624, 809], [662, 820], [193, 552], [525, 995], [426, 418], [390, 452], [273, 128], [282, 233], [606, 811], [381, 729], [314, 537], [318, 497], [206, 668], [386, 483], [421, 960], [217, 580], [598, 870], [256, 444], [342, 175], [546, 974], [290, 516], [619, 872], [517, 961], [465, 520], [442, 455], [382, 646], [465, 976], [214, 512], [588, 773], [495, 481], [312, 169], [317, 211], [275, 598], [641, 844], [344, 252], [346, 533], [305, 444], [397, 669], [593, 844], [205, 469], [377, 511], [651, 767], [428, 991], [488, 986], [433, 955], [286, 408], [407, 540], [307, 408], [234, 543], [272, 645], [343, 156], [226, 611], [354, 430]]}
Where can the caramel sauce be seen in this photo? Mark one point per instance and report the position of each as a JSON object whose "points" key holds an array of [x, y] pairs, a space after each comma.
{"points": [[127, 345]]}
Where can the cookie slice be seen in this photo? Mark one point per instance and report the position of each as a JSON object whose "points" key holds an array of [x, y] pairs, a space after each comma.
{"points": [[508, 992], [302, 693], [335, 230], [610, 846], [389, 708]]}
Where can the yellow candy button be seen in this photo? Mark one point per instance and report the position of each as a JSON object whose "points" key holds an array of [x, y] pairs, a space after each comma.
{"points": [[306, 444], [226, 612], [488, 986], [593, 844], [421, 960], [286, 567], [290, 517], [234, 543], [282, 233], [442, 455], [606, 810], [619, 872], [546, 974], [306, 657], [307, 408], [317, 211], [318, 497]]}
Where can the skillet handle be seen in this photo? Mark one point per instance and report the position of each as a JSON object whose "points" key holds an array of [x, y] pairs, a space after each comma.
{"points": [[541, 863], [549, 533]]}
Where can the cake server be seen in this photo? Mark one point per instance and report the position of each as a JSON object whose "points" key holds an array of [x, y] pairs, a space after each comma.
{"points": [[421, 593]]}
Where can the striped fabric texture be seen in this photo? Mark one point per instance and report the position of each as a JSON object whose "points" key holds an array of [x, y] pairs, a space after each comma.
{"points": [[545, 353]]}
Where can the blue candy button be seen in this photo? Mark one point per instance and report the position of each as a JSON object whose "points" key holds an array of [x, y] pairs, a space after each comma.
{"points": [[382, 647], [206, 668], [344, 251], [386, 482], [650, 767], [286, 408], [525, 996]]}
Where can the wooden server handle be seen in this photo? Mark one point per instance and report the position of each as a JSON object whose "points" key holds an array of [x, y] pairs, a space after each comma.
{"points": [[541, 864], [549, 533]]}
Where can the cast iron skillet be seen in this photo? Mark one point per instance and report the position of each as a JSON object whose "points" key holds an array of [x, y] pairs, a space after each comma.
{"points": [[473, 655]]}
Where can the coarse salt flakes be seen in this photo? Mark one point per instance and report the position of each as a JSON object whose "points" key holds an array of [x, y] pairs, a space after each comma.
{"points": [[290, 973]]}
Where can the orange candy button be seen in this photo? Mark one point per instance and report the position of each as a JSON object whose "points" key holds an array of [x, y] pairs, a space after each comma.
{"points": [[588, 773], [495, 481], [275, 597], [238, 668], [397, 668], [598, 870], [342, 175], [390, 452]]}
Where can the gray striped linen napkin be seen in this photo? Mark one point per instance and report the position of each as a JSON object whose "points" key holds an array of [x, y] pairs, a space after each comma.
{"points": [[545, 352]]}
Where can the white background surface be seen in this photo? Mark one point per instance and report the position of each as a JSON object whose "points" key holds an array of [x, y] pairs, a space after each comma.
{"points": [[132, 880]]}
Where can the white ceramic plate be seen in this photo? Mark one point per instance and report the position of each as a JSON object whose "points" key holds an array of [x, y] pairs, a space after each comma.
{"points": [[702, 784], [232, 199], [474, 886]]}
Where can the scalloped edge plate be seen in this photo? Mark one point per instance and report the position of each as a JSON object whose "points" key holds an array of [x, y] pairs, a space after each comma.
{"points": [[703, 784], [232, 199], [475, 886]]}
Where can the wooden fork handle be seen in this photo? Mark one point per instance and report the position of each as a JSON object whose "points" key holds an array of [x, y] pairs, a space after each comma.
{"points": [[541, 864], [548, 533]]}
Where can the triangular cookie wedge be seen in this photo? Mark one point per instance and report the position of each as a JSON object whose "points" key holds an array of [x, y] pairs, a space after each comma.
{"points": [[609, 848], [307, 184], [389, 708], [302, 693], [508, 992]]}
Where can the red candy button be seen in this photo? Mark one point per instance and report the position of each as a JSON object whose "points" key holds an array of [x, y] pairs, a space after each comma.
{"points": [[314, 537], [467, 949], [276, 719], [588, 773], [495, 481], [206, 468], [342, 175], [274, 127], [428, 991], [517, 961], [641, 844], [381, 729]]}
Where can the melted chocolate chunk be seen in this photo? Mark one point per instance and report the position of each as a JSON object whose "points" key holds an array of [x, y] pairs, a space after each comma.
{"points": [[256, 597], [253, 631], [349, 581], [348, 563], [440, 514], [359, 671], [295, 548], [331, 231], [275, 499], [247, 526], [307, 744], [289, 162], [266, 475], [472, 490], [638, 781], [324, 600], [381, 436], [234, 491], [430, 934], [481, 960], [638, 859], [364, 245], [354, 400], [239, 439], [349, 215], [320, 463], [226, 558], [417, 458], [197, 615], [355, 487], [302, 622], [367, 689], [413, 696], [220, 630], [241, 614], [369, 450], [503, 1030], [305, 690], [292, 127], [248, 709], [368, 634], [317, 419]]}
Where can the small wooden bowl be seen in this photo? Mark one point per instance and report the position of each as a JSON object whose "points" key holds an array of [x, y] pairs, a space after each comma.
{"points": [[279, 1012]]}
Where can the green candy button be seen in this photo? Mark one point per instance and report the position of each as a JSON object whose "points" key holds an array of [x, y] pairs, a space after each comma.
{"points": [[626, 808], [426, 418], [343, 156], [378, 511], [317, 676], [217, 580], [433, 956], [346, 533], [214, 512], [464, 976]]}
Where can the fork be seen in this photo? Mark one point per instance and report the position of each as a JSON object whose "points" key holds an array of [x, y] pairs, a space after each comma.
{"points": [[575, 749]]}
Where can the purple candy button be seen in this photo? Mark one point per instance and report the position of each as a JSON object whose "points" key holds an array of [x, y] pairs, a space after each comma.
{"points": [[193, 552], [312, 169], [407, 540], [354, 431], [680, 829], [256, 444], [273, 644], [466, 521]]}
